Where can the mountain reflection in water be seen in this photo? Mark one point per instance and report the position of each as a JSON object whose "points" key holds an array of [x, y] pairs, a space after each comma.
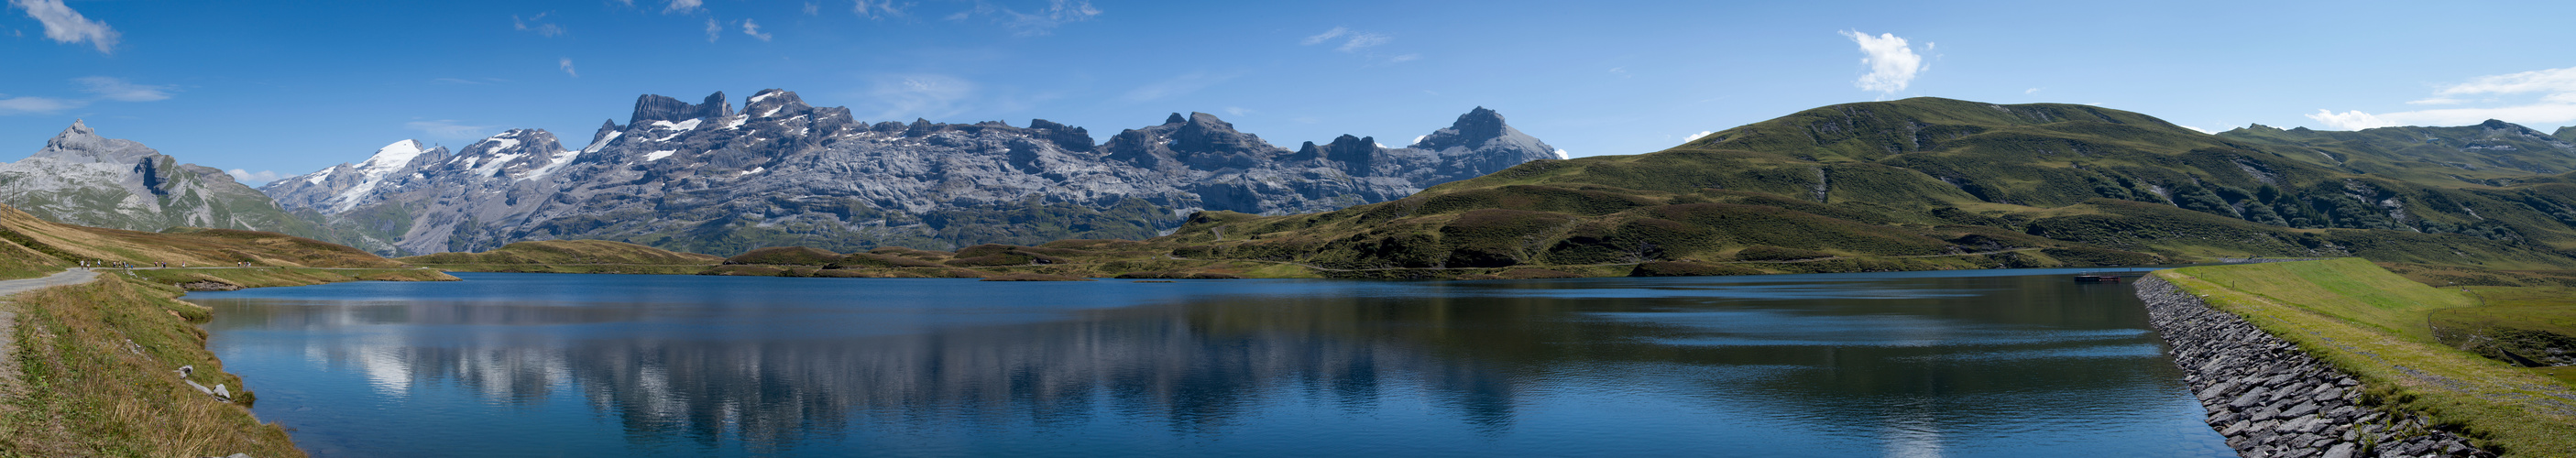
{"points": [[549, 364]]}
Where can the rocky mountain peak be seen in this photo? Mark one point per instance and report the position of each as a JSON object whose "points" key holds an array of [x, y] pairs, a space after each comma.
{"points": [[650, 107], [80, 144], [1474, 129], [2566, 133], [770, 103], [1175, 119], [605, 128], [1204, 133]]}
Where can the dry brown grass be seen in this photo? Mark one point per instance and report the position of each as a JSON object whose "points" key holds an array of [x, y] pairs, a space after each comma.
{"points": [[98, 379]]}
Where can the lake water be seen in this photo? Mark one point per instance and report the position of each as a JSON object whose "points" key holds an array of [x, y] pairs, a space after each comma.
{"points": [[1968, 363]]}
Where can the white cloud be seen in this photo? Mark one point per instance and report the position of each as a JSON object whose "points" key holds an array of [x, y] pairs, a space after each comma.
{"points": [[1621, 71], [547, 29], [1417, 139], [1892, 64], [117, 89], [2349, 120], [753, 29], [1057, 12], [2205, 131], [1178, 85], [1042, 22], [1237, 111], [683, 6], [254, 178], [566, 65], [1697, 136], [874, 9], [66, 26], [1352, 40], [2538, 97], [813, 9], [920, 96], [1403, 58], [37, 105], [1326, 36], [2556, 80], [714, 29], [1561, 154], [2030, 91], [449, 128]]}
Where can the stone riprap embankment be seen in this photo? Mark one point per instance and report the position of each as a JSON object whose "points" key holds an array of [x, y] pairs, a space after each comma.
{"points": [[2272, 400]]}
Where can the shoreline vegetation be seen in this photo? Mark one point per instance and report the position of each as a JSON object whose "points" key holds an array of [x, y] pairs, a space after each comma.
{"points": [[98, 367], [114, 366], [2407, 344]]}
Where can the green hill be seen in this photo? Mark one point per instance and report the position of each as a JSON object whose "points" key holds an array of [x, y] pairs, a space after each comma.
{"points": [[1928, 183], [571, 256]]}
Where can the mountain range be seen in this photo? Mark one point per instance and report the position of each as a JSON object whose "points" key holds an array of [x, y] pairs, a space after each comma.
{"points": [[705, 178]]}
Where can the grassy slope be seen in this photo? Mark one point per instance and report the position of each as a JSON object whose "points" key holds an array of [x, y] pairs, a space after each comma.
{"points": [[2373, 324], [89, 392], [571, 256], [86, 391]]}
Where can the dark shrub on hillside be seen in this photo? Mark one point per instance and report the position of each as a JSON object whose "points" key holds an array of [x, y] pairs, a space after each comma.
{"points": [[1687, 269], [1773, 253], [786, 256]]}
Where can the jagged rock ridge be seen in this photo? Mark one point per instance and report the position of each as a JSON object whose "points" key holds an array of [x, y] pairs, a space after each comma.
{"points": [[703, 177]]}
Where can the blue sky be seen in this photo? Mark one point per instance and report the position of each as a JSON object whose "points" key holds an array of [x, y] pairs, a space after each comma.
{"points": [[291, 88]]}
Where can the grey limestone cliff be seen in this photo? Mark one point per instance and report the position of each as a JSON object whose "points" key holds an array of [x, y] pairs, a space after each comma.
{"points": [[703, 177]]}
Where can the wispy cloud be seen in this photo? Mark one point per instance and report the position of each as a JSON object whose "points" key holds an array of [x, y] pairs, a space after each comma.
{"points": [[546, 29], [1694, 137], [1041, 22], [2538, 97], [683, 6], [2030, 91], [1352, 40], [566, 65], [753, 29], [449, 129], [118, 89], [1892, 63], [99, 88], [36, 105], [813, 9], [1621, 72], [254, 178], [714, 30], [64, 25], [920, 95], [1178, 85], [879, 9], [1238, 111]]}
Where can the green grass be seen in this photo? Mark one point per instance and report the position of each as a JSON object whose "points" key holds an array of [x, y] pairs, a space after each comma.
{"points": [[2372, 323], [97, 363]]}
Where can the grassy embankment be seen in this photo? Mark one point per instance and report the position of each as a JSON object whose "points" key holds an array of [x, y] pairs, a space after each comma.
{"points": [[2381, 328], [95, 363]]}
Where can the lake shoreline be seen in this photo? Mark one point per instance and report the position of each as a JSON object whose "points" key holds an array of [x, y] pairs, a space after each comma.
{"points": [[2271, 399]]}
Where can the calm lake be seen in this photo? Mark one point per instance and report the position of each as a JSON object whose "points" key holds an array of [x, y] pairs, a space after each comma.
{"points": [[1965, 363]]}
